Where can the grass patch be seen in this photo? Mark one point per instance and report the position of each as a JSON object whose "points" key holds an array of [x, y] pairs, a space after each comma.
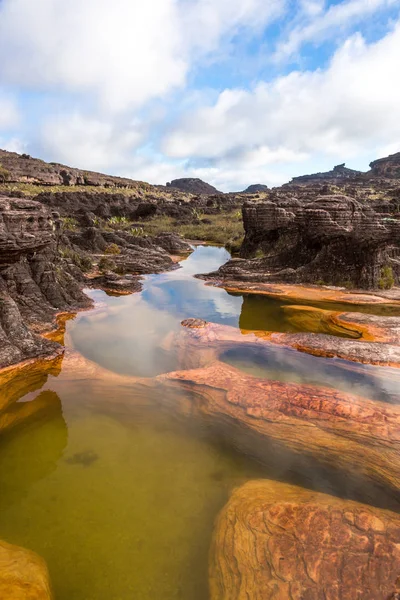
{"points": [[224, 228]]}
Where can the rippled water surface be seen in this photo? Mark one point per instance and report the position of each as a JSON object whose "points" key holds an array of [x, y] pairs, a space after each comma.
{"points": [[118, 495]]}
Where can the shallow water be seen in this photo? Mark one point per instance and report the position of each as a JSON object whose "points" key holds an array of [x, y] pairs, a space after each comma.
{"points": [[119, 496]]}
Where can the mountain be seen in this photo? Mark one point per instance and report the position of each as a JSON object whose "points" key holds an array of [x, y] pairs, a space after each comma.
{"points": [[255, 188], [193, 185]]}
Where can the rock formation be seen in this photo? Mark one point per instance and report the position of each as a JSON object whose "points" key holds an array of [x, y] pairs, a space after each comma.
{"points": [[273, 541], [23, 575], [22, 168], [193, 185], [255, 188], [388, 167], [34, 283], [339, 172], [372, 340], [333, 239]]}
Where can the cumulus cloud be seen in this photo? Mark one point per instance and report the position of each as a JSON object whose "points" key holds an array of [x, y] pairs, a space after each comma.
{"points": [[124, 52], [87, 142], [323, 24], [353, 104], [9, 114]]}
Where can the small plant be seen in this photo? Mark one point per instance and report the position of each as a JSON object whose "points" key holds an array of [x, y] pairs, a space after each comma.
{"points": [[69, 223], [320, 282], [386, 282], [83, 261], [137, 232], [197, 213], [118, 221], [112, 249], [106, 264]]}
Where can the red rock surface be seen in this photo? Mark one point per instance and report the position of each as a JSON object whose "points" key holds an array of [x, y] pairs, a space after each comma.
{"points": [[273, 541]]}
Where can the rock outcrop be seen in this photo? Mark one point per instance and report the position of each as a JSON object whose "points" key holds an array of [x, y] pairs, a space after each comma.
{"points": [[23, 574], [388, 167], [255, 188], [339, 172], [34, 283], [273, 541], [193, 185], [333, 239], [22, 168], [372, 340]]}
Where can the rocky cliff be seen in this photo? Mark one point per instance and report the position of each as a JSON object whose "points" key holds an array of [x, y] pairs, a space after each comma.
{"points": [[255, 188], [35, 283], [388, 167], [339, 172], [332, 239], [22, 168]]}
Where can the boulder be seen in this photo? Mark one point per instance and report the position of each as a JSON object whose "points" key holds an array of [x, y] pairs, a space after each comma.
{"points": [[23, 574], [274, 541]]}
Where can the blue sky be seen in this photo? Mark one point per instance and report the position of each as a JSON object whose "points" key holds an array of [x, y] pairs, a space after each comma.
{"points": [[232, 91]]}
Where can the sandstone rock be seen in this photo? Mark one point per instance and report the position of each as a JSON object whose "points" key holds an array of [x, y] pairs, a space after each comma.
{"points": [[273, 541], [23, 575], [203, 342], [317, 426], [388, 167], [332, 239], [338, 172], [255, 188], [34, 282]]}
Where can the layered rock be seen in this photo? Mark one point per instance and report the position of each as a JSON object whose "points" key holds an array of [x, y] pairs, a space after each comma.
{"points": [[388, 167], [202, 342], [22, 168], [23, 574], [339, 172], [273, 541], [333, 239], [34, 283]]}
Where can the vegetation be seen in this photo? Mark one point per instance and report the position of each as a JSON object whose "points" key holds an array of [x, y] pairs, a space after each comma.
{"points": [[83, 261], [69, 223], [106, 264], [386, 282], [118, 221], [224, 228], [4, 174], [112, 249]]}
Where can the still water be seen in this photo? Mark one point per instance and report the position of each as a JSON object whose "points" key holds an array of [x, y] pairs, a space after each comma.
{"points": [[120, 499]]}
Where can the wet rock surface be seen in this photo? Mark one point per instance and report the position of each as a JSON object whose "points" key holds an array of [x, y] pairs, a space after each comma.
{"points": [[276, 541], [34, 283], [23, 574]]}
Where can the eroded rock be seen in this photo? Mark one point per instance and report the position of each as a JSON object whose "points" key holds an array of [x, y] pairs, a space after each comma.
{"points": [[23, 574], [273, 541]]}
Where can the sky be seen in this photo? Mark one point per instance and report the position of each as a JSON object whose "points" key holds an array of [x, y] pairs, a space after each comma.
{"points": [[235, 92]]}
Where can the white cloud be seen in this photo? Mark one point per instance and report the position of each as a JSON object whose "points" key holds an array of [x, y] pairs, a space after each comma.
{"points": [[352, 105], [86, 142], [9, 114], [322, 25], [123, 52]]}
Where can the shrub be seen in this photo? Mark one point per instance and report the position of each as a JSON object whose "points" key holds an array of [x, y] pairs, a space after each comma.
{"points": [[112, 249], [106, 264], [4, 174], [83, 261], [386, 282], [69, 223]]}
